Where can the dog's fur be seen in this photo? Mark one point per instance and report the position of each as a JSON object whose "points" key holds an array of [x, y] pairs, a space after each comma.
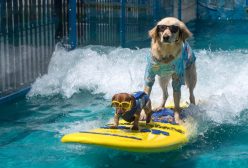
{"points": [[128, 97], [167, 46]]}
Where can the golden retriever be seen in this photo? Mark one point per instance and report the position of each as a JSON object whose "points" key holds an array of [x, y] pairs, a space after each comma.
{"points": [[171, 57]]}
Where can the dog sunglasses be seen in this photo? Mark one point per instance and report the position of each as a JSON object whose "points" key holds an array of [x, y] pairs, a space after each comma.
{"points": [[125, 105], [172, 28]]}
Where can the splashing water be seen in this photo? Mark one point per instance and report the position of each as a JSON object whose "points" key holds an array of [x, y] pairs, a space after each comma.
{"points": [[99, 69], [75, 95], [222, 77]]}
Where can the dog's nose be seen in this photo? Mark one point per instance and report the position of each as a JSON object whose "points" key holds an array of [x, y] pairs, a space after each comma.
{"points": [[119, 111], [166, 38]]}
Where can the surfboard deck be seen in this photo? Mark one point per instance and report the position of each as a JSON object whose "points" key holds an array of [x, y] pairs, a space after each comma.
{"points": [[153, 137]]}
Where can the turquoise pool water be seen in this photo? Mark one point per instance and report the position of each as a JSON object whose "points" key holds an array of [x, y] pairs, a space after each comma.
{"points": [[75, 96]]}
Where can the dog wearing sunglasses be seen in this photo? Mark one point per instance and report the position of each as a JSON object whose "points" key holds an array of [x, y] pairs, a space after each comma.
{"points": [[171, 57], [129, 106]]}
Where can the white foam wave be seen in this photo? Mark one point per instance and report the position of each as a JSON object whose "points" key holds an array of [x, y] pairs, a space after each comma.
{"points": [[222, 76], [108, 71], [222, 83]]}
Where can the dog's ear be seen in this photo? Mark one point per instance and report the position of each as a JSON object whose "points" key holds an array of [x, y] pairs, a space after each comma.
{"points": [[184, 32], [153, 33], [132, 99], [114, 97]]}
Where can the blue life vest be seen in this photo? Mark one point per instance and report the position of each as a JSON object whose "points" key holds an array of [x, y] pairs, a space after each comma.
{"points": [[141, 98]]}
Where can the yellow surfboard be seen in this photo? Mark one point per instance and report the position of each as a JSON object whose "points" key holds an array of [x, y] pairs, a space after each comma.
{"points": [[153, 137]]}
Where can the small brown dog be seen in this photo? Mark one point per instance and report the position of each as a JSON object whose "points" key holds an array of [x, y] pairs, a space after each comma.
{"points": [[129, 106]]}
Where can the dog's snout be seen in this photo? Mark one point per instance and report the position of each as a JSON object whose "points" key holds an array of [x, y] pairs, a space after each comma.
{"points": [[120, 111], [166, 38]]}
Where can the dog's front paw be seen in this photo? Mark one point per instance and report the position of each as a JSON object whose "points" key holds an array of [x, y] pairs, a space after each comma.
{"points": [[148, 118], [135, 128], [142, 116], [177, 118]]}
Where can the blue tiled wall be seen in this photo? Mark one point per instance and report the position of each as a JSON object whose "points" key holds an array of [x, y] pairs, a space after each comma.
{"points": [[222, 9]]}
